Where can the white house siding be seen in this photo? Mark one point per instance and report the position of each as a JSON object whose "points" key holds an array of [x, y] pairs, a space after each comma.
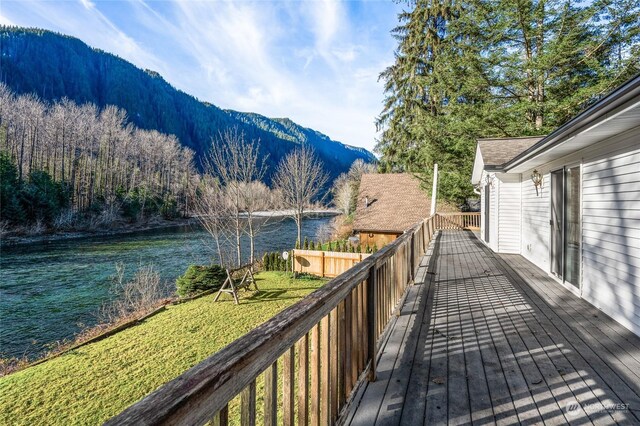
{"points": [[536, 231], [611, 229], [610, 275], [493, 211], [509, 213], [495, 200]]}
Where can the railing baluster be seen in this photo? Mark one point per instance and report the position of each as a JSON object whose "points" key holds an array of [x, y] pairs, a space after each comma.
{"points": [[221, 418], [354, 337], [348, 345], [271, 395], [362, 343], [303, 380], [371, 322], [342, 387], [325, 384], [248, 405], [333, 337], [315, 376], [288, 386]]}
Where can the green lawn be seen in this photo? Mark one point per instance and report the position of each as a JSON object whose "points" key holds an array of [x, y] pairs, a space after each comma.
{"points": [[92, 383]]}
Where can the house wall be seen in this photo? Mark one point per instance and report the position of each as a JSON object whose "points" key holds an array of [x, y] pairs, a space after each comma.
{"points": [[378, 239], [493, 210], [536, 211], [610, 246], [504, 213], [508, 217], [611, 230]]}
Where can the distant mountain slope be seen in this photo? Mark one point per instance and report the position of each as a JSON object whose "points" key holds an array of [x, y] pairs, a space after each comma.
{"points": [[55, 66]]}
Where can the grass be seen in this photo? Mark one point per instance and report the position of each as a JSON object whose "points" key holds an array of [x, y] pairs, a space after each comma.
{"points": [[91, 384]]}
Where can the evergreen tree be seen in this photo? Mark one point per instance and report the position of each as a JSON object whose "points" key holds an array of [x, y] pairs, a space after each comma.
{"points": [[10, 209], [496, 68]]}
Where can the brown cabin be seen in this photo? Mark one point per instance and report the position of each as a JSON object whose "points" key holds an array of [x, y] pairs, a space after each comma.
{"points": [[388, 205]]}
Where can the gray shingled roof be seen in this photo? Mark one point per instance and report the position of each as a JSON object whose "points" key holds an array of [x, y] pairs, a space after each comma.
{"points": [[396, 203], [496, 152]]}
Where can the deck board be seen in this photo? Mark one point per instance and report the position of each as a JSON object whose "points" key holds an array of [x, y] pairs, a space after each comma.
{"points": [[490, 339]]}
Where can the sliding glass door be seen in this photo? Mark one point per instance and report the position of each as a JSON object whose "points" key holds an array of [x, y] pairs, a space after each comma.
{"points": [[565, 224], [557, 216], [572, 230]]}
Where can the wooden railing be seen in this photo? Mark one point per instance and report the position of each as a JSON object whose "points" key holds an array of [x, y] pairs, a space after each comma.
{"points": [[325, 263], [457, 220], [308, 360]]}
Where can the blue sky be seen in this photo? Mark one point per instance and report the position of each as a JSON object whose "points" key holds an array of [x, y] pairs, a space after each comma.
{"points": [[316, 62]]}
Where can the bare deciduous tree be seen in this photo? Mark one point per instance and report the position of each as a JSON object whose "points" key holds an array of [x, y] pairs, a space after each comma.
{"points": [[256, 196], [95, 153], [346, 186], [236, 163], [143, 293], [300, 177]]}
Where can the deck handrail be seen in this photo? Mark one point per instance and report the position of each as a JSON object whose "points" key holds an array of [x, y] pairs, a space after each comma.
{"points": [[333, 333], [458, 220]]}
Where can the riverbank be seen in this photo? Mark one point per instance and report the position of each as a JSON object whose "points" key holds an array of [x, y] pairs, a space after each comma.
{"points": [[90, 384], [124, 228], [121, 229]]}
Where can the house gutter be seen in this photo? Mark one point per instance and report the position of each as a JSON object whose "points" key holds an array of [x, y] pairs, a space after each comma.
{"points": [[600, 109]]}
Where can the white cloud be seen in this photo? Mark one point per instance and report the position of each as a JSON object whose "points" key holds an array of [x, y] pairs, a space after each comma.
{"points": [[88, 4], [4, 20], [311, 61]]}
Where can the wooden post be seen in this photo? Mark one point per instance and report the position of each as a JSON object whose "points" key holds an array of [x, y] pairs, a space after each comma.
{"points": [[325, 371], [248, 405], [315, 376], [371, 323], [322, 263], [221, 418], [288, 391], [434, 190], [412, 259], [271, 395], [303, 380]]}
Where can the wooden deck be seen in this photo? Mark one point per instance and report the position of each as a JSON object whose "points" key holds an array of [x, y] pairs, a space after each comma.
{"points": [[485, 338]]}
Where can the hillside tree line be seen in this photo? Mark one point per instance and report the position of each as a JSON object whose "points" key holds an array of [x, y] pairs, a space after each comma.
{"points": [[61, 161]]}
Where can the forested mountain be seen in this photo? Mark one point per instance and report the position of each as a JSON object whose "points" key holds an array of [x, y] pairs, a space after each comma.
{"points": [[55, 66]]}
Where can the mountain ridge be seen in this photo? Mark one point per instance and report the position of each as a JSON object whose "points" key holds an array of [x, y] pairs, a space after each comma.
{"points": [[54, 66]]}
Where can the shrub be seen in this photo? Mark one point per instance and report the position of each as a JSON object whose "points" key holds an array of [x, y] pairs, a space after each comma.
{"points": [[312, 246], [305, 246], [273, 261], [136, 297], [200, 278]]}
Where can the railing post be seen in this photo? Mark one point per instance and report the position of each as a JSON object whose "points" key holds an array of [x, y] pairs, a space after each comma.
{"points": [[412, 258], [371, 322]]}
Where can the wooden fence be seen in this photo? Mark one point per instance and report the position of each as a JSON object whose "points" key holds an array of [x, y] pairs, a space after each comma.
{"points": [[321, 348], [325, 263]]}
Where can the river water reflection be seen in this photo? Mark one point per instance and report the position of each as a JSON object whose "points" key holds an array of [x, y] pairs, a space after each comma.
{"points": [[48, 292]]}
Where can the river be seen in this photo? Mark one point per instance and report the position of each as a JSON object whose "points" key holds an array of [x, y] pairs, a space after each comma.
{"points": [[49, 292]]}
